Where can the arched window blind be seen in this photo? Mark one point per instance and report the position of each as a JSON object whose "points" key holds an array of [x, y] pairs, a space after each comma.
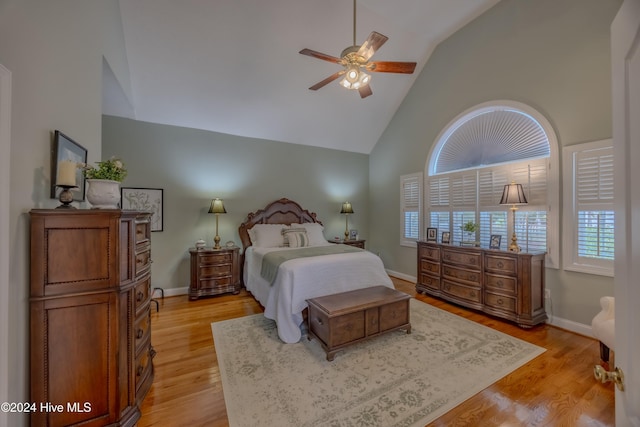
{"points": [[490, 136]]}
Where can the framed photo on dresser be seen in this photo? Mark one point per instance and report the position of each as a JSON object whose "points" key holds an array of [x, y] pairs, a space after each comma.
{"points": [[432, 234], [446, 237]]}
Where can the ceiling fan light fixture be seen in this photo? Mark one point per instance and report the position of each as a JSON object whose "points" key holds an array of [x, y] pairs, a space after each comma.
{"points": [[353, 74]]}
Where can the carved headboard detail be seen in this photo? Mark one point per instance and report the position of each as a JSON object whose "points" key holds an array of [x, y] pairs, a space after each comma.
{"points": [[283, 211]]}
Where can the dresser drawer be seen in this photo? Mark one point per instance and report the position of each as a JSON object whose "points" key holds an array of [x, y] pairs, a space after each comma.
{"points": [[500, 302], [429, 267], [142, 331], [143, 367], [471, 277], [463, 292], [501, 264], [221, 258], [429, 252], [142, 295], [143, 231], [143, 260], [214, 271], [430, 281], [468, 259], [212, 283], [500, 284]]}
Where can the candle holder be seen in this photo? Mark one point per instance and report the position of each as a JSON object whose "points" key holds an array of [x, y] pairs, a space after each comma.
{"points": [[66, 196]]}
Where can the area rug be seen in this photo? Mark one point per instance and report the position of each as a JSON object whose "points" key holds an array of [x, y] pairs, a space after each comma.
{"points": [[396, 379]]}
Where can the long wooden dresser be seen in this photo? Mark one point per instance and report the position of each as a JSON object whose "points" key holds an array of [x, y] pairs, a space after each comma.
{"points": [[504, 284], [91, 352]]}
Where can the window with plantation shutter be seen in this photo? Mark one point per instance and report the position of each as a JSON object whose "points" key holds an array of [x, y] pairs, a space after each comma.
{"points": [[410, 202], [475, 156], [589, 209]]}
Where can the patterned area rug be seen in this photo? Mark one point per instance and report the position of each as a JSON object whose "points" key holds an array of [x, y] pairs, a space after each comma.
{"points": [[392, 380]]}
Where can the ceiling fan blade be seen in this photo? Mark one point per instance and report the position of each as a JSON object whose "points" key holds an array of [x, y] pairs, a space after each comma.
{"points": [[327, 80], [371, 45], [320, 55], [391, 67], [365, 91]]}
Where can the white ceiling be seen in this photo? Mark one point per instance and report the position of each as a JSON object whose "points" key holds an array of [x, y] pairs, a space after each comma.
{"points": [[233, 66]]}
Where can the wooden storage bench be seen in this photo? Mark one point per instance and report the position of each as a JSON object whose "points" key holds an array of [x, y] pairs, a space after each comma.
{"points": [[346, 318]]}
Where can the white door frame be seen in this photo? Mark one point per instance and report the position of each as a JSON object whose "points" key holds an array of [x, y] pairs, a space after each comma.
{"points": [[625, 74], [5, 190]]}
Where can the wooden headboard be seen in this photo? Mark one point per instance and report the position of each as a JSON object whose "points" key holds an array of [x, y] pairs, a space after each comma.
{"points": [[283, 211]]}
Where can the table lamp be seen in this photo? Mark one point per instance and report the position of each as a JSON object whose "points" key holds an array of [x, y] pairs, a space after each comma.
{"points": [[346, 210], [513, 194], [217, 207]]}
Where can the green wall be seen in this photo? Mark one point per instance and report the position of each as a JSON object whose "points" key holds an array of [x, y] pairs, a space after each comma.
{"points": [[194, 166], [552, 55]]}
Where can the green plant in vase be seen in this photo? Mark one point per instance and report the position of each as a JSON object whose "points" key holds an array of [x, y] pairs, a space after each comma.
{"points": [[469, 229]]}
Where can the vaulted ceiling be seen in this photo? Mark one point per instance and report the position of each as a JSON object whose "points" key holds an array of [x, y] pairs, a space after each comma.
{"points": [[232, 66]]}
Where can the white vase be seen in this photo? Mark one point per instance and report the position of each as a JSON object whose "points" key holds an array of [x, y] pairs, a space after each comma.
{"points": [[103, 193]]}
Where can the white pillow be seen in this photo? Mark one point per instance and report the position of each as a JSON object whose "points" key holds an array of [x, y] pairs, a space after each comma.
{"points": [[314, 232], [267, 235], [296, 237]]}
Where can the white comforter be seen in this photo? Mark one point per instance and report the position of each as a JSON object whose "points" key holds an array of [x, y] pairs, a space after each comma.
{"points": [[304, 278]]}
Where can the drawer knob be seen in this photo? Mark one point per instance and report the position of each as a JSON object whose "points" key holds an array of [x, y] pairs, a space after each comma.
{"points": [[140, 333], [500, 302], [319, 321], [139, 370], [139, 296], [499, 283], [500, 264]]}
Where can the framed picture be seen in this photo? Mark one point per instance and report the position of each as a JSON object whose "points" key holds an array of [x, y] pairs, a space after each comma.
{"points": [[353, 234], [144, 199], [446, 237], [65, 148], [432, 234], [494, 243]]}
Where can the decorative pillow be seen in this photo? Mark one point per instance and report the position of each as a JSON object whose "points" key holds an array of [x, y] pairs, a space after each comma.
{"points": [[296, 237], [267, 235], [314, 232]]}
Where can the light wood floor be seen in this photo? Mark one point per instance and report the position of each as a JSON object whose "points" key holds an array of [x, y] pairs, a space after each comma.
{"points": [[555, 389]]}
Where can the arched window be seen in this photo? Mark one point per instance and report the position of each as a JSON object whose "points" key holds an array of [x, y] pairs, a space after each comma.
{"points": [[475, 156]]}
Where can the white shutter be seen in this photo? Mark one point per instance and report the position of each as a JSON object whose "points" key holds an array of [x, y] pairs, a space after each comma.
{"points": [[589, 208], [438, 191], [464, 189], [410, 190]]}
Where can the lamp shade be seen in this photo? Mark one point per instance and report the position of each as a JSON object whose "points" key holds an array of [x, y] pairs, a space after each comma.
{"points": [[346, 208], [217, 207], [513, 194]]}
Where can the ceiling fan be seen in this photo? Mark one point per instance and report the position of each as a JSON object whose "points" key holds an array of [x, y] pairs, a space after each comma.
{"points": [[355, 60]]}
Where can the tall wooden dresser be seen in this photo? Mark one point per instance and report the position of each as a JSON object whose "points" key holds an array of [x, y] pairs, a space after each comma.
{"points": [[91, 347], [504, 284]]}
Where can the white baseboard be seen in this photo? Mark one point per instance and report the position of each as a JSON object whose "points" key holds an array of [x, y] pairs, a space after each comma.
{"points": [[402, 276], [171, 292], [558, 322]]}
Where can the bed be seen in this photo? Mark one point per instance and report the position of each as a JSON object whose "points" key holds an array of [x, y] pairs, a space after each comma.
{"points": [[324, 268]]}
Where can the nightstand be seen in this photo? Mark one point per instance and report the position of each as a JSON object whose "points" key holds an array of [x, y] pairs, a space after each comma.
{"points": [[357, 243], [214, 272]]}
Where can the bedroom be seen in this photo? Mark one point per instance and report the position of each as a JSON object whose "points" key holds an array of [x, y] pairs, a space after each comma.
{"points": [[47, 100]]}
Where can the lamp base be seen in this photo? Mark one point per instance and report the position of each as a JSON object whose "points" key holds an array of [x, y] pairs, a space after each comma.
{"points": [[513, 247], [216, 241]]}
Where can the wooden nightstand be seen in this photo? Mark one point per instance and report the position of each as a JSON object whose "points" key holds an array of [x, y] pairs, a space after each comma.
{"points": [[357, 243], [214, 272]]}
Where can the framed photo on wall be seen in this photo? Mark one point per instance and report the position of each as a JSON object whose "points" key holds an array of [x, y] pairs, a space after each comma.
{"points": [[145, 199], [432, 234], [65, 148], [494, 243], [446, 237]]}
